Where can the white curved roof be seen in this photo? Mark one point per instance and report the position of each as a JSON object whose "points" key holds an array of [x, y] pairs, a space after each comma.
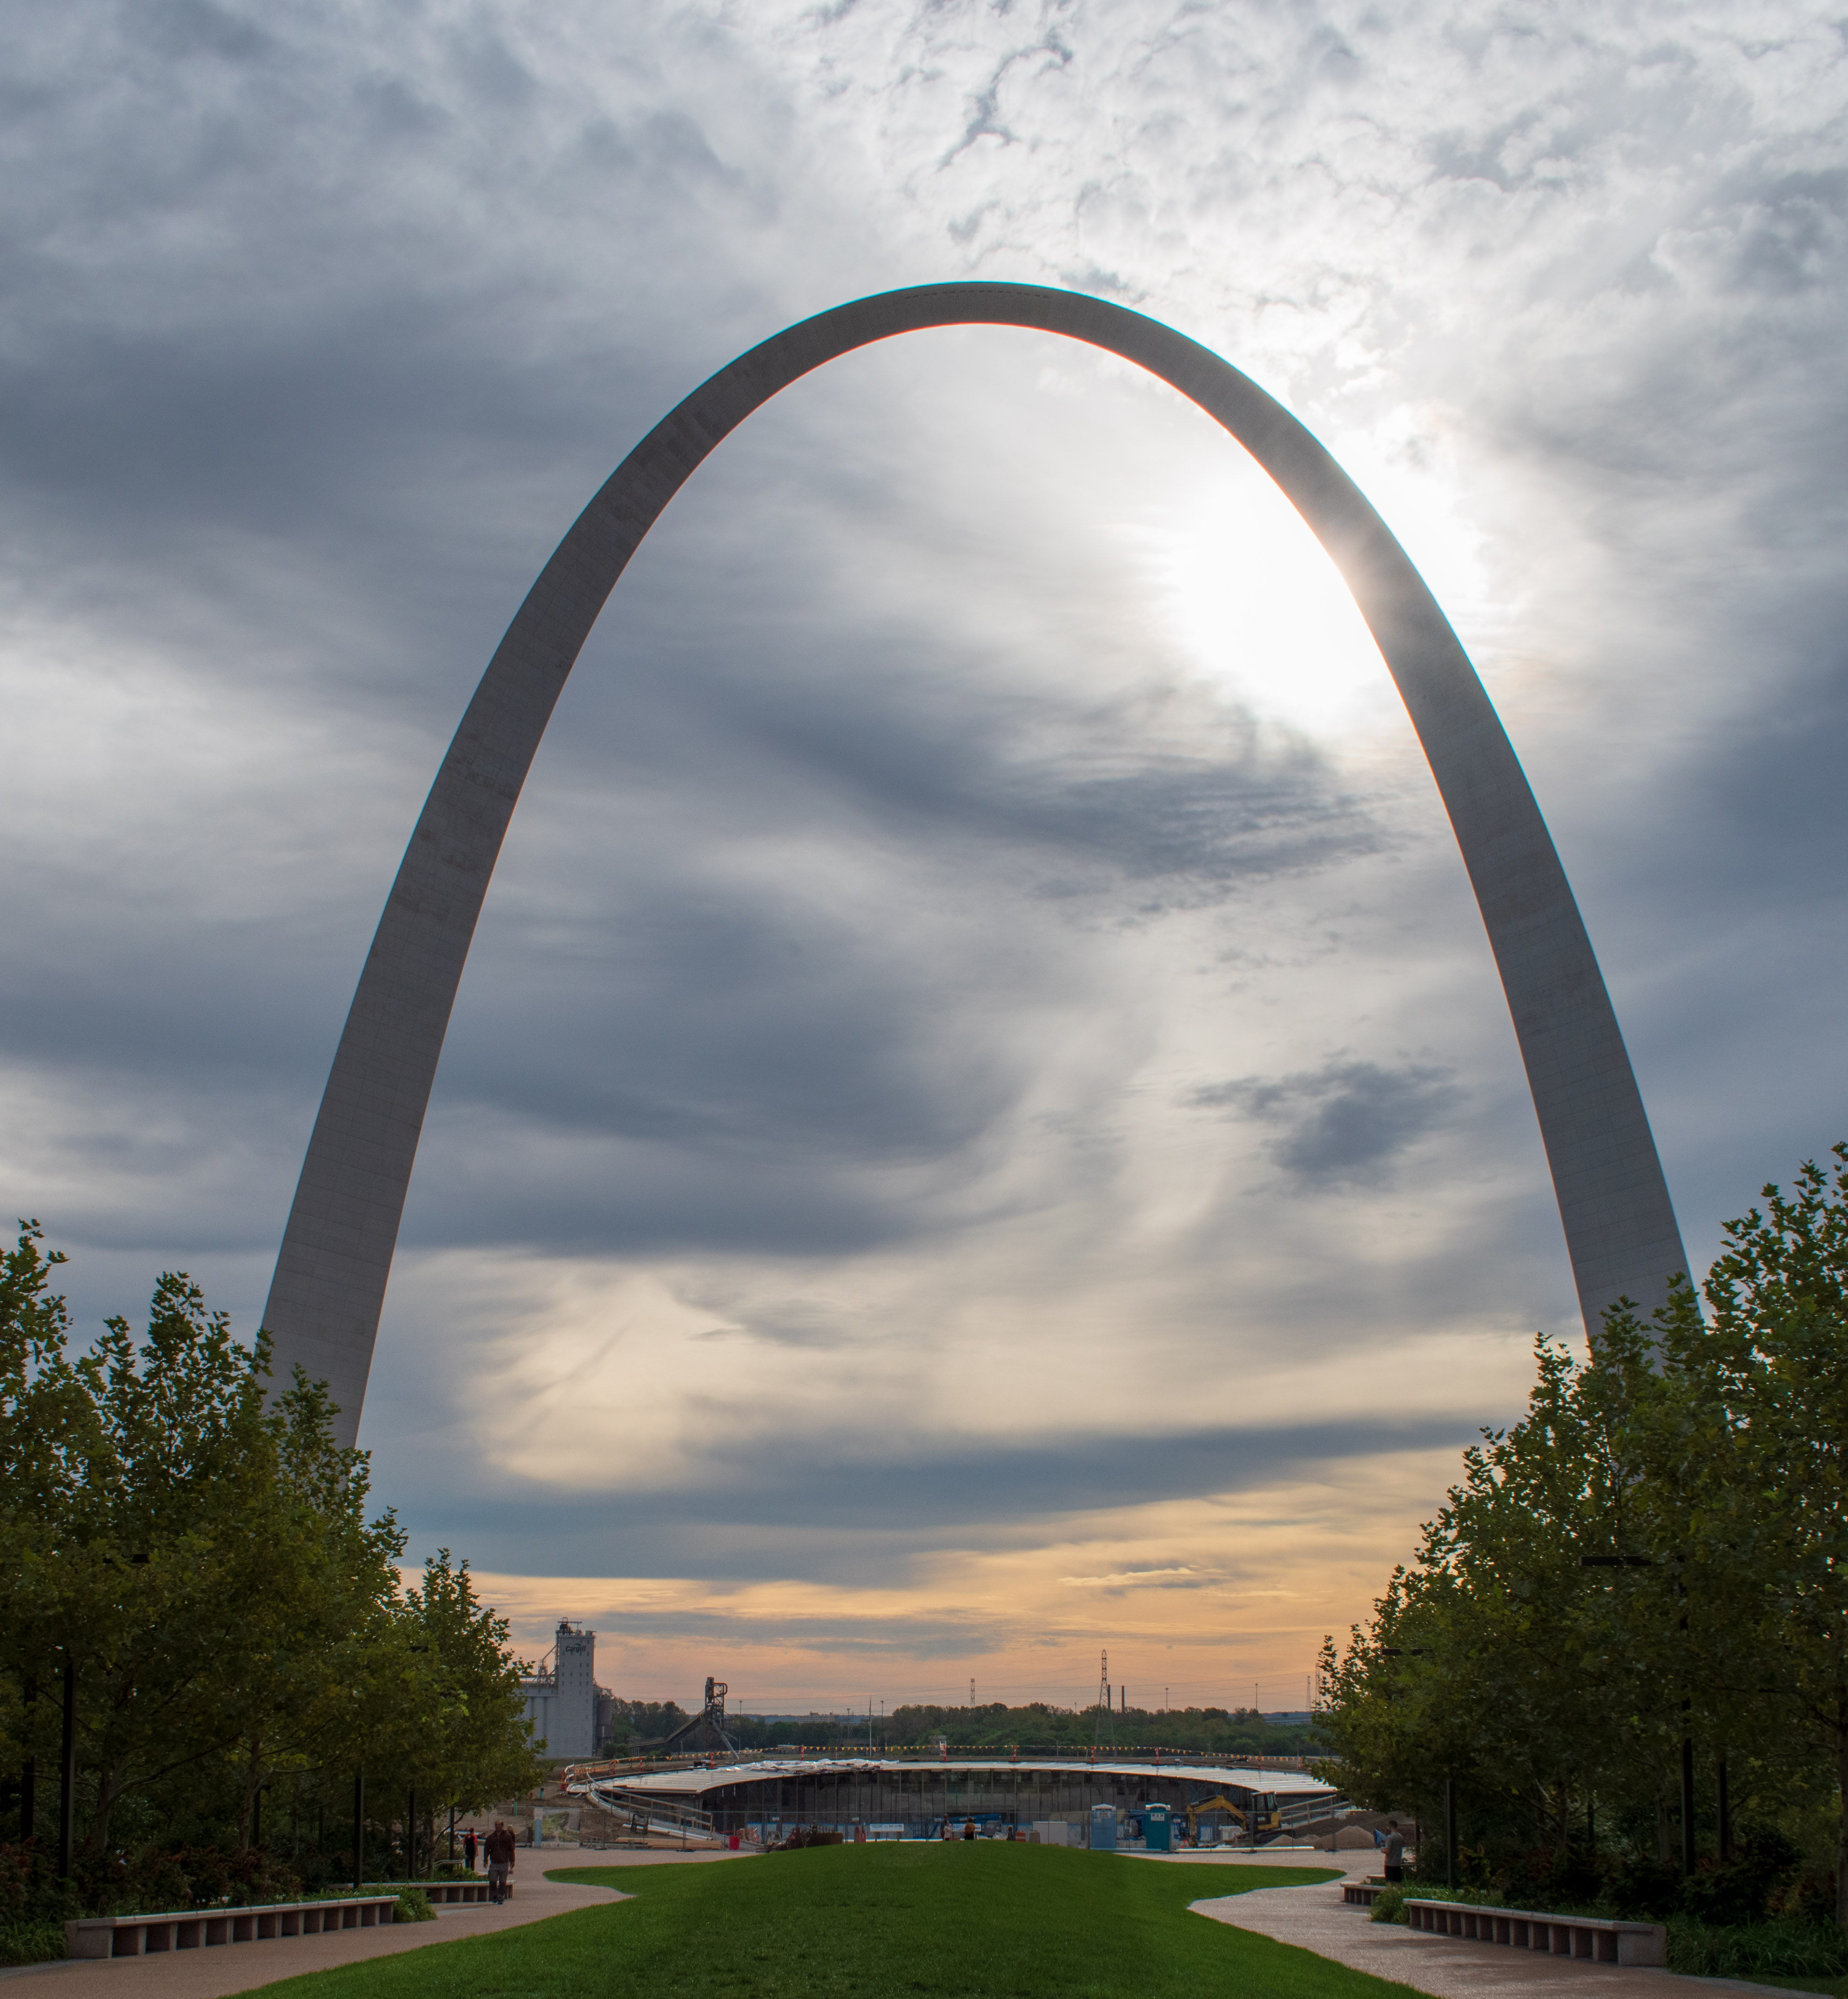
{"points": [[695, 1783]]}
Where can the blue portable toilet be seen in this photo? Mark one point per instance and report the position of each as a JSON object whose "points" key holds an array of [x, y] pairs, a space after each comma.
{"points": [[1157, 1831], [1103, 1828]]}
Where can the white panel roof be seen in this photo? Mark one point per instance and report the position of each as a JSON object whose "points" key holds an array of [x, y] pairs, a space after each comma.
{"points": [[694, 1783]]}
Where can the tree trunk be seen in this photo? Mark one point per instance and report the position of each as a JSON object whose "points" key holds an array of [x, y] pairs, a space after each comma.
{"points": [[108, 1788], [1841, 1843], [247, 1809], [1662, 1849]]}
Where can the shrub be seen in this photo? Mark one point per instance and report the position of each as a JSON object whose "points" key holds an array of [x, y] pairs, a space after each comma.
{"points": [[1559, 1879], [1743, 1890], [30, 1891], [413, 1906], [137, 1883], [1643, 1890], [1809, 1898], [1785, 1947], [1389, 1904], [36, 1942]]}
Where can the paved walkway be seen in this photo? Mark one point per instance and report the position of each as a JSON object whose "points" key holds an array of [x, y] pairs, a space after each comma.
{"points": [[246, 1967], [1316, 1918]]}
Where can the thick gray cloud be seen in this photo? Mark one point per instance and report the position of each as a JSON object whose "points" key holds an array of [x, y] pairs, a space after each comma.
{"points": [[859, 1508], [1345, 1121], [960, 797]]}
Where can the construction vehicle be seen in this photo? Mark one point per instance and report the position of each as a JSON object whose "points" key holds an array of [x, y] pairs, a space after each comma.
{"points": [[1265, 1815]]}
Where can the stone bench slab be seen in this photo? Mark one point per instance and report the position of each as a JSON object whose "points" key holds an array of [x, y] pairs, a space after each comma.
{"points": [[197, 1929], [1598, 1939]]}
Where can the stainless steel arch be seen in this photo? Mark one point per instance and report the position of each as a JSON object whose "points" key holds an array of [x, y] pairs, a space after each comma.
{"points": [[336, 1256]]}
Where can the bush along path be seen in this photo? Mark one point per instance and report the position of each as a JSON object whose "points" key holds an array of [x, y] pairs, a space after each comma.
{"points": [[1787, 1948]]}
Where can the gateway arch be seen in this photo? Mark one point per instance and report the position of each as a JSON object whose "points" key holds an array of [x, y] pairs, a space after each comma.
{"points": [[336, 1256]]}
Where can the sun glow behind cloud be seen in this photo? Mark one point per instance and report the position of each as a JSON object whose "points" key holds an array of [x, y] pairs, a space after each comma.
{"points": [[1247, 593]]}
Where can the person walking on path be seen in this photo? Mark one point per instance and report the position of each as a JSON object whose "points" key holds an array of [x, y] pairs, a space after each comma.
{"points": [[500, 1861], [1395, 1851], [469, 1847]]}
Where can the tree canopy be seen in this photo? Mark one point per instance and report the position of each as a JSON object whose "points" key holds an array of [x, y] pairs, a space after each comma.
{"points": [[202, 1556], [1656, 1555]]}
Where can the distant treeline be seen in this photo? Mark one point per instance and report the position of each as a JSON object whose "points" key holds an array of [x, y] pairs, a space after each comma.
{"points": [[1217, 1731]]}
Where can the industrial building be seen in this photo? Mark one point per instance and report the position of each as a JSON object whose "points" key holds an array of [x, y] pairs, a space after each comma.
{"points": [[883, 1798], [562, 1698]]}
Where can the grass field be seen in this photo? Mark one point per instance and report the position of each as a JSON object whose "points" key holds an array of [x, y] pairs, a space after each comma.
{"points": [[961, 1921]]}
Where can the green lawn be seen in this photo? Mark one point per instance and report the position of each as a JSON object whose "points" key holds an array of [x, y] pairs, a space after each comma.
{"points": [[967, 1921]]}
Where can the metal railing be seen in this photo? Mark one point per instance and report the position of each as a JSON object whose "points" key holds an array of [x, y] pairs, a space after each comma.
{"points": [[645, 1813], [577, 1777]]}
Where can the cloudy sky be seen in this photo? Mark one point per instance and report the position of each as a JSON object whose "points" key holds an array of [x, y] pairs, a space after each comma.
{"points": [[981, 1124]]}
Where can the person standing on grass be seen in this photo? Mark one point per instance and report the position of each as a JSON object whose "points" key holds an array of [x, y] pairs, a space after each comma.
{"points": [[469, 1847], [500, 1861], [1395, 1851], [968, 1828]]}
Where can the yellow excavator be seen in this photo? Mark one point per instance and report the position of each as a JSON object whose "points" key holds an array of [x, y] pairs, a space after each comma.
{"points": [[1266, 1816]]}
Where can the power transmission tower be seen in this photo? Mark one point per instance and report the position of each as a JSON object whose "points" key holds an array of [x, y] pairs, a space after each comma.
{"points": [[1105, 1732]]}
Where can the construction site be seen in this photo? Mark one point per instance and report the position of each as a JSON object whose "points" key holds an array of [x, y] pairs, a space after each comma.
{"points": [[762, 1801], [697, 1787]]}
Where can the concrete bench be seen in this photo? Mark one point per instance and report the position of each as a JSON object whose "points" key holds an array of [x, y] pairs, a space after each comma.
{"points": [[453, 1891], [1599, 1939], [439, 1894], [196, 1929], [1363, 1894]]}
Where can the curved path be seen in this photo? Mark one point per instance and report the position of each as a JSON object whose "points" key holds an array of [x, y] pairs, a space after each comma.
{"points": [[336, 1256], [1317, 1919]]}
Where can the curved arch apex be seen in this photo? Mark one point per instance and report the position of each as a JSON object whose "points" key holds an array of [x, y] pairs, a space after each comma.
{"points": [[336, 1256]]}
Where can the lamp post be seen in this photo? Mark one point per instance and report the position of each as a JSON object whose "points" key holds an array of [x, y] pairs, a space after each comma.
{"points": [[1423, 1652], [29, 1769], [67, 1785]]}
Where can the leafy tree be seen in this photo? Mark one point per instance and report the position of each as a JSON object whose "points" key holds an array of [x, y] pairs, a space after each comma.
{"points": [[458, 1730], [45, 1422], [1656, 1553], [195, 1634], [1497, 1659], [320, 1586], [1764, 1518], [201, 1551]]}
